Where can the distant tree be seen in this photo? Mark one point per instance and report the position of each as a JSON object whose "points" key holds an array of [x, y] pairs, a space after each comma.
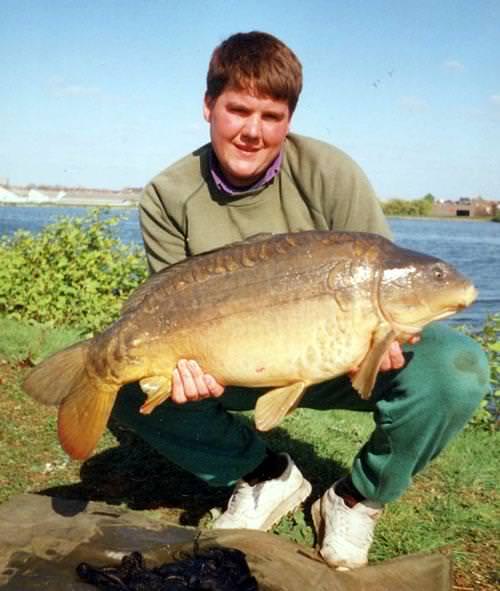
{"points": [[427, 203], [429, 197], [414, 207]]}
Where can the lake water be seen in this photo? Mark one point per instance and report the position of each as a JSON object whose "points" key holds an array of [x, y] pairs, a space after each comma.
{"points": [[473, 247]]}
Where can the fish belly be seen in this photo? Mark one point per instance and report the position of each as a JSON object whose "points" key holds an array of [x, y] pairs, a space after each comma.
{"points": [[300, 341]]}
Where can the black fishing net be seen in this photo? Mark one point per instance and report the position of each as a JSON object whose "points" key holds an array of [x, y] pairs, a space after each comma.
{"points": [[214, 569]]}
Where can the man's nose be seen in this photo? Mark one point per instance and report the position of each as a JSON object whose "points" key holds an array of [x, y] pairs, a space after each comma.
{"points": [[252, 127]]}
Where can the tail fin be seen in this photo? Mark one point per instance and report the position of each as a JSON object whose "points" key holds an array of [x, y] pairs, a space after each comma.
{"points": [[85, 401], [51, 381], [84, 414]]}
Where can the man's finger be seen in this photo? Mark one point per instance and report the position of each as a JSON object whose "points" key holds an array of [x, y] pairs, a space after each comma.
{"points": [[396, 356], [197, 376], [386, 363], [190, 390], [393, 359], [177, 388], [213, 386]]}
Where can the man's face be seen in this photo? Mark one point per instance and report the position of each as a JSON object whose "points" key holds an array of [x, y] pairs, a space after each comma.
{"points": [[247, 133]]}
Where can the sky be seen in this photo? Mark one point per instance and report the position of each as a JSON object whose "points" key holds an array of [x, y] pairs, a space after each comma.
{"points": [[107, 93]]}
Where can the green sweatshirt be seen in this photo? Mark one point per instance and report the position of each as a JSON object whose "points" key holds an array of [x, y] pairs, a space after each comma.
{"points": [[319, 187]]}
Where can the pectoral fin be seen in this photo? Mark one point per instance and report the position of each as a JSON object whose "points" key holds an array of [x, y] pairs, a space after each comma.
{"points": [[157, 390], [272, 407], [365, 377]]}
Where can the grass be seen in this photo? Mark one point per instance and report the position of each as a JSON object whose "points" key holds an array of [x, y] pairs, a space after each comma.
{"points": [[452, 506]]}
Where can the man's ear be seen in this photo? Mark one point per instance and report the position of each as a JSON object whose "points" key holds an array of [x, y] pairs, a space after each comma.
{"points": [[208, 103]]}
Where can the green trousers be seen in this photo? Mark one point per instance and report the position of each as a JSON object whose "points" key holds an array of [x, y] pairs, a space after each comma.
{"points": [[417, 410]]}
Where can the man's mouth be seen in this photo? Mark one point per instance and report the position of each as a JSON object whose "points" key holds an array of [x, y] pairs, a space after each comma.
{"points": [[247, 149]]}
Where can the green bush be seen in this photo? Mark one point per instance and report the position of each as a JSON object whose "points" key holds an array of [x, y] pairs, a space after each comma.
{"points": [[488, 415], [415, 207], [75, 272], [26, 343]]}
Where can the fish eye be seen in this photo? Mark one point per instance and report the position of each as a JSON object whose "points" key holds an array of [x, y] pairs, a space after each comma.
{"points": [[438, 273]]}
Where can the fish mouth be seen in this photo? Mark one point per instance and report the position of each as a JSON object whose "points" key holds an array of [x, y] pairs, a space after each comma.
{"points": [[417, 327], [448, 312], [471, 296]]}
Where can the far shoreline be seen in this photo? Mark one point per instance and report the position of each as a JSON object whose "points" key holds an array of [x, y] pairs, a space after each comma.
{"points": [[132, 205], [441, 218], [81, 204]]}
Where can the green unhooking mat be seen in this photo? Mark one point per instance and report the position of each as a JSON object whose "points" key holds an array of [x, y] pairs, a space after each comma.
{"points": [[44, 539]]}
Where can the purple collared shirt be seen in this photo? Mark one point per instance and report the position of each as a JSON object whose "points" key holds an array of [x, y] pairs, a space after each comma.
{"points": [[223, 185]]}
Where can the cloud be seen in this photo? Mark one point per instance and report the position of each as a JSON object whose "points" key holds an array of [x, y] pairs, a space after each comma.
{"points": [[414, 104], [453, 66], [79, 90], [60, 88], [196, 127]]}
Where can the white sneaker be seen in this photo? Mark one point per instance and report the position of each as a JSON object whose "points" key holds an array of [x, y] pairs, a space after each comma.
{"points": [[344, 534], [264, 504]]}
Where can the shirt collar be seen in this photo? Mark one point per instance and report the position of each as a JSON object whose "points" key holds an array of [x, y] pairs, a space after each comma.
{"points": [[225, 186]]}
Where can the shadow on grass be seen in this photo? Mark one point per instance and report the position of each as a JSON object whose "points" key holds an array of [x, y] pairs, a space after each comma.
{"points": [[135, 475]]}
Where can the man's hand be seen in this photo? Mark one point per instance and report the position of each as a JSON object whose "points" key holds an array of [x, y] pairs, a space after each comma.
{"points": [[394, 358], [190, 384]]}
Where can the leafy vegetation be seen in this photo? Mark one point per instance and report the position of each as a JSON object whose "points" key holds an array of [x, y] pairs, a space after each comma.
{"points": [[75, 272], [415, 207], [28, 343], [488, 416]]}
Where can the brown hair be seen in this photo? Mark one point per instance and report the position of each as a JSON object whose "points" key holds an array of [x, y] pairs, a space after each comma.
{"points": [[257, 62]]}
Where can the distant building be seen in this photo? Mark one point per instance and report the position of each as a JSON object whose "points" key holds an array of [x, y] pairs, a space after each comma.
{"points": [[35, 196], [466, 207], [7, 196], [4, 181]]}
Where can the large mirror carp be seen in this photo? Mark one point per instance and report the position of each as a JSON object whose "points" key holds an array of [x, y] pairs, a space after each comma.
{"points": [[281, 311]]}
